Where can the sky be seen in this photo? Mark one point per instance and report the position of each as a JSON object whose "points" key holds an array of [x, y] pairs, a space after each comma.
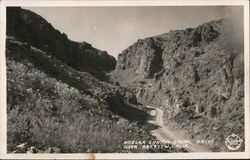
{"points": [[113, 29]]}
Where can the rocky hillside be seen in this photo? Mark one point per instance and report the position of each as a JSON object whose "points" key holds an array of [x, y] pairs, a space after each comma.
{"points": [[196, 75], [27, 26]]}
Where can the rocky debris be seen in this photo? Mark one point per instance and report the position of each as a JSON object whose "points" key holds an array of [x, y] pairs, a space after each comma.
{"points": [[31, 28], [24, 148], [21, 148], [52, 150], [194, 69], [32, 149], [89, 151]]}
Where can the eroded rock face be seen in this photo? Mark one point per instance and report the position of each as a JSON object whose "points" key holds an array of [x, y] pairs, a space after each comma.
{"points": [[29, 27], [144, 57], [196, 72]]}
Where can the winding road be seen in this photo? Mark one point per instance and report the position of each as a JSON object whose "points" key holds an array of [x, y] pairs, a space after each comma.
{"points": [[162, 133]]}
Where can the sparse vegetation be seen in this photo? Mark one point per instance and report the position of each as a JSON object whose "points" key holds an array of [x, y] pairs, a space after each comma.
{"points": [[46, 112]]}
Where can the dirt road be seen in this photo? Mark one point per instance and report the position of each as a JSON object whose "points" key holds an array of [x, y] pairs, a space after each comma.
{"points": [[162, 133]]}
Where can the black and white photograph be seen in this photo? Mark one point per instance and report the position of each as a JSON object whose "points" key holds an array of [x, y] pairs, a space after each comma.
{"points": [[127, 79]]}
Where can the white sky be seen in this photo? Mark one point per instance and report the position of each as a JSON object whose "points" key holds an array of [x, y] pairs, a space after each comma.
{"points": [[115, 28]]}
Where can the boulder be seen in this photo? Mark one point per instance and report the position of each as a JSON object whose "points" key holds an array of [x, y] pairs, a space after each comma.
{"points": [[53, 150], [21, 148]]}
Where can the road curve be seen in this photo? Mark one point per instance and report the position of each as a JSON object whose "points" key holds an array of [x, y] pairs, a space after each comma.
{"points": [[162, 133]]}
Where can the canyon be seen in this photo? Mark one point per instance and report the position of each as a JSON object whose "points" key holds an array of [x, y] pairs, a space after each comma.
{"points": [[73, 97]]}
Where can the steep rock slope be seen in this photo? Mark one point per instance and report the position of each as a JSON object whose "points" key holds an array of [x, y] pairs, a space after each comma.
{"points": [[195, 74], [29, 27]]}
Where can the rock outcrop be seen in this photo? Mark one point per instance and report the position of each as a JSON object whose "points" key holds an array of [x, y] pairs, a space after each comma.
{"points": [[27, 26], [195, 74]]}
